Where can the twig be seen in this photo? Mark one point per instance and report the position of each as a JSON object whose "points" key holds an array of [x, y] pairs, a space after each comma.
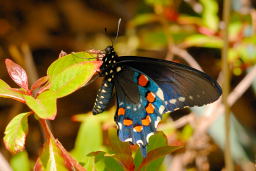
{"points": [[226, 86]]}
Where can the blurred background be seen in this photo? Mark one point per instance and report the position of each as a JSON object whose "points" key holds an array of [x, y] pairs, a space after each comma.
{"points": [[33, 32]]}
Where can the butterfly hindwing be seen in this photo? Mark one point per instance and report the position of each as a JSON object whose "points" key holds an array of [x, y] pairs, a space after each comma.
{"points": [[137, 120]]}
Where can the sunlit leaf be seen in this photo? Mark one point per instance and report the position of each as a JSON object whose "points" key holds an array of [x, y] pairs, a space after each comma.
{"points": [[44, 105], [89, 139], [17, 73], [106, 162], [210, 14], [7, 92], [20, 161], [158, 2], [15, 133], [68, 73], [200, 40], [143, 19], [54, 157], [64, 62]]}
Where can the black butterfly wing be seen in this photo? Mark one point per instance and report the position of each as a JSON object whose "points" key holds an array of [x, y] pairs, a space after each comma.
{"points": [[182, 85], [139, 109]]}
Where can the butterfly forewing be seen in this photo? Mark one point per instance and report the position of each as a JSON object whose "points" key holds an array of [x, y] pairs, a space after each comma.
{"points": [[183, 86]]}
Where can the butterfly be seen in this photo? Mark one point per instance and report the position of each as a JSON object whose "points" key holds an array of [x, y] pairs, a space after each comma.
{"points": [[146, 88]]}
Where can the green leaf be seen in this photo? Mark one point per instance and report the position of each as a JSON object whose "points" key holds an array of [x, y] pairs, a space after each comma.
{"points": [[44, 105], [154, 155], [106, 162], [20, 162], [89, 138], [15, 133], [7, 92], [66, 76], [54, 157], [200, 40], [155, 141], [158, 2], [64, 62], [210, 14], [143, 19]]}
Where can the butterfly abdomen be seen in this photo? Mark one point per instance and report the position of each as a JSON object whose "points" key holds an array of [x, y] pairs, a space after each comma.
{"points": [[103, 97]]}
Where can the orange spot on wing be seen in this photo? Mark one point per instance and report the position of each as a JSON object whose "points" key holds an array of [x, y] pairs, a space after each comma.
{"points": [[146, 121], [150, 108], [150, 97], [142, 80], [127, 122], [138, 128], [121, 111]]}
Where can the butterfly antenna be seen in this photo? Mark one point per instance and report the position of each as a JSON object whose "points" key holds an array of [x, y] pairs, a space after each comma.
{"points": [[117, 31]]}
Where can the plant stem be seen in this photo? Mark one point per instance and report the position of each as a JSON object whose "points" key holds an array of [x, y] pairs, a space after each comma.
{"points": [[46, 130], [226, 86]]}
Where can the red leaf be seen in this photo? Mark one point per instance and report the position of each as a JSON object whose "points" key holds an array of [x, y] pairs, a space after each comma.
{"points": [[17, 73], [126, 160], [38, 83]]}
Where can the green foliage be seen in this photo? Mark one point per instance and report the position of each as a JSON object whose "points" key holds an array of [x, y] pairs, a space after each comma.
{"points": [[43, 105], [7, 92], [21, 161], [70, 72], [15, 133]]}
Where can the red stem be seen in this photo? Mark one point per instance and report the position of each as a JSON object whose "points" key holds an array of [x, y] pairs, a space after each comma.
{"points": [[46, 130]]}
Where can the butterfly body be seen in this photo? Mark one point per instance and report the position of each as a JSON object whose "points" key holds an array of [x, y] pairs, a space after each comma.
{"points": [[145, 89]]}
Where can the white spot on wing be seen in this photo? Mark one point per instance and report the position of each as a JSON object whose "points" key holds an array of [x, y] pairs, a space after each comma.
{"points": [[149, 135], [139, 142], [109, 79], [119, 125], [173, 101], [182, 99], [111, 71], [103, 91], [161, 109], [128, 107], [121, 103], [128, 140], [118, 69], [160, 94], [106, 85], [157, 121], [190, 97]]}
